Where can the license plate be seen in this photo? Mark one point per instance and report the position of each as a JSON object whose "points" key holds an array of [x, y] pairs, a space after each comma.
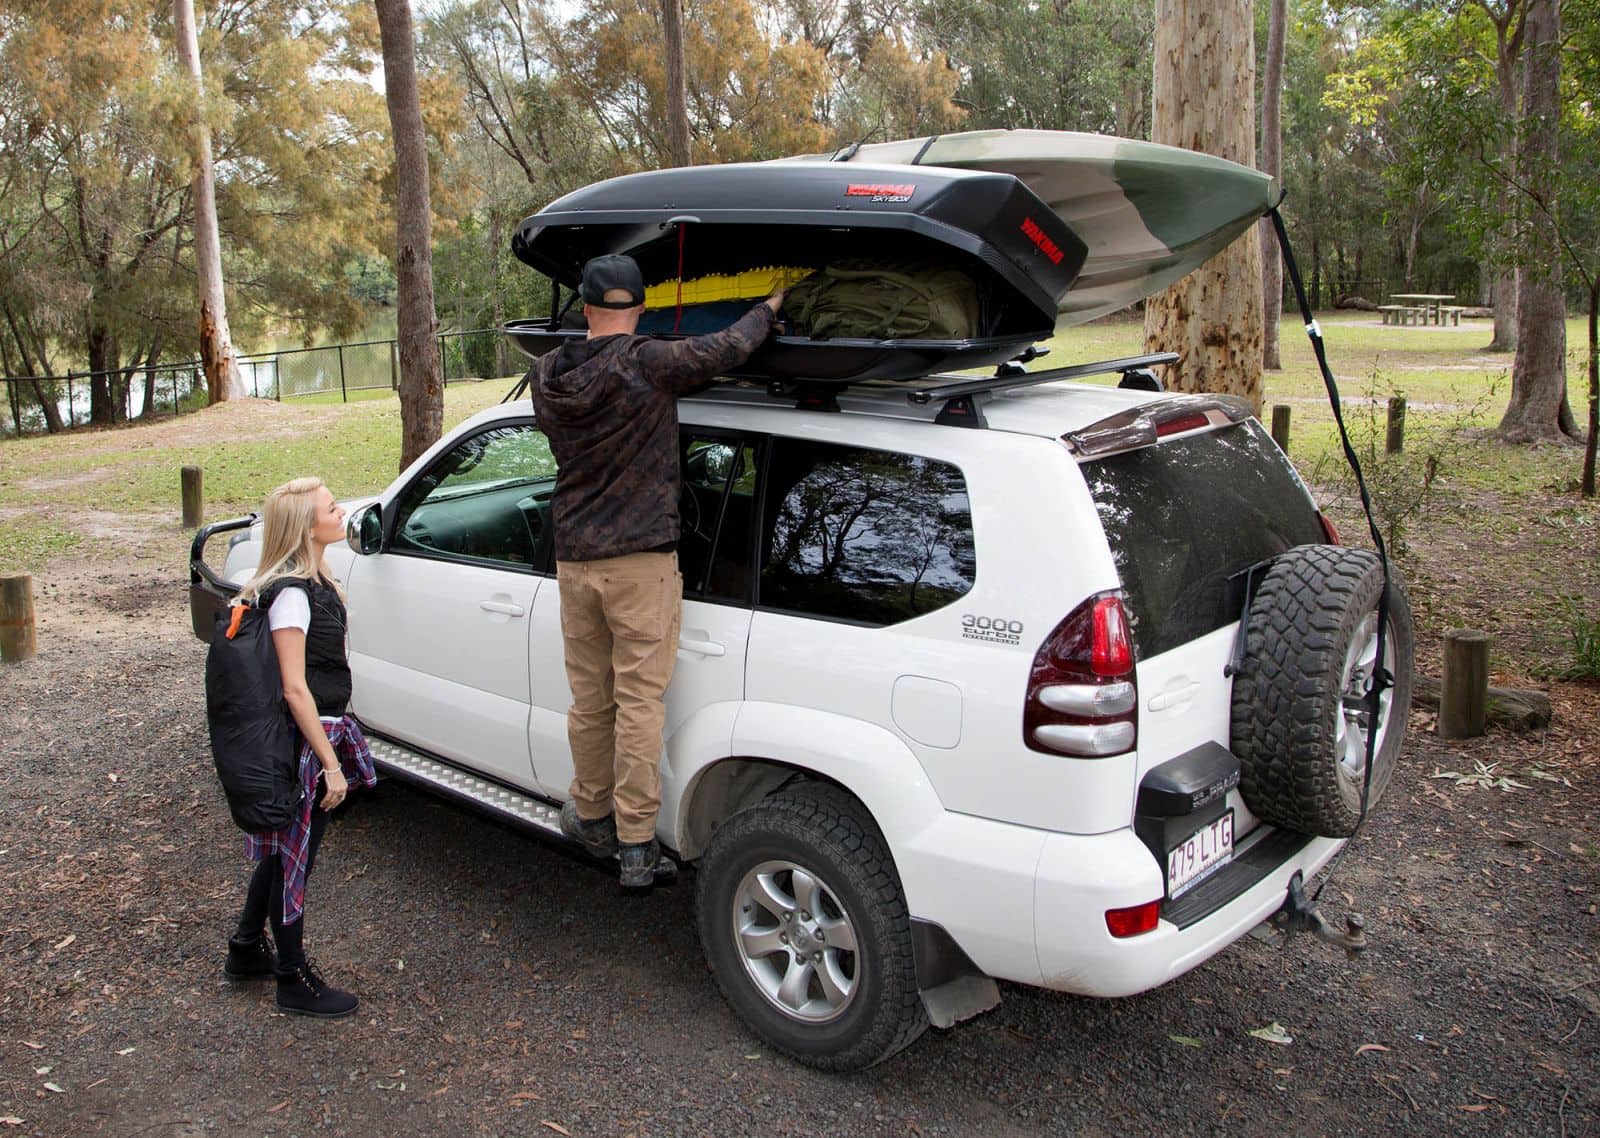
{"points": [[1200, 855]]}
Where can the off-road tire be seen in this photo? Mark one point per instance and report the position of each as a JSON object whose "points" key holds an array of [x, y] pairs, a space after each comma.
{"points": [[826, 830], [1288, 703]]}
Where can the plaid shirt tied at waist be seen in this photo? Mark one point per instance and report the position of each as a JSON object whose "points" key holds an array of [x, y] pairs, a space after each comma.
{"points": [[292, 843]]}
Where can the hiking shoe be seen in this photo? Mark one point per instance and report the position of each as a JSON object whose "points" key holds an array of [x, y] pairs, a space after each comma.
{"points": [[639, 864], [304, 993], [249, 958], [599, 837]]}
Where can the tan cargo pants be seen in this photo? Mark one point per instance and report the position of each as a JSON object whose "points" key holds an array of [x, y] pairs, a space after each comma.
{"points": [[619, 618]]}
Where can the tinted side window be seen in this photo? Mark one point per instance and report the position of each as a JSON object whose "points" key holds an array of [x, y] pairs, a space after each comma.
{"points": [[863, 535], [716, 511], [486, 499]]}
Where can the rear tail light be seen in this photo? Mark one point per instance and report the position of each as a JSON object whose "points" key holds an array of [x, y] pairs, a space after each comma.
{"points": [[1328, 529], [1082, 699], [1133, 920]]}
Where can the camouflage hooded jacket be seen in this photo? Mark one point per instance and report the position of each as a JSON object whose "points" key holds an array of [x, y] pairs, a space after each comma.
{"points": [[609, 408]]}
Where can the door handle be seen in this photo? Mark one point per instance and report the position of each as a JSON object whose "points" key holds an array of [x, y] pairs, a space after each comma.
{"points": [[1173, 696], [505, 607], [701, 647]]}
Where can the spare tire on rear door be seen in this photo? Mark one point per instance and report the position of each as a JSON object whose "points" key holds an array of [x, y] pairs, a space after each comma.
{"points": [[1300, 718]]}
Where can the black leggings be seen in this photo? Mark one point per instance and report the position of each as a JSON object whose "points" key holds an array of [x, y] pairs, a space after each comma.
{"points": [[263, 901]]}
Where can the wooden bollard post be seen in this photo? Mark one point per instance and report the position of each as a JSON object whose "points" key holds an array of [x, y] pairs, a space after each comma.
{"points": [[17, 641], [1394, 438], [193, 499], [1464, 690], [1280, 426]]}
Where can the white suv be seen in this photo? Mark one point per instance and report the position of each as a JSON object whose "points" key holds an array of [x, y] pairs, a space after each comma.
{"points": [[1051, 682]]}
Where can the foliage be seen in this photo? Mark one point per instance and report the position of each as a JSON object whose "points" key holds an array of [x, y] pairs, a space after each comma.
{"points": [[1401, 486], [98, 263], [1584, 631], [1067, 65]]}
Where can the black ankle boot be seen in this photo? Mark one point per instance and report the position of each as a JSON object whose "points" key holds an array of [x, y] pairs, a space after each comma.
{"points": [[639, 864], [599, 836], [303, 992], [249, 958]]}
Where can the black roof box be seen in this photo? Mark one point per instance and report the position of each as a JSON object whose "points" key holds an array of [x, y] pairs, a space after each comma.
{"points": [[728, 219]]}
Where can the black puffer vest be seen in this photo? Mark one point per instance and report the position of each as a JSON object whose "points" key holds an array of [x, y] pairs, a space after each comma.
{"points": [[327, 665]]}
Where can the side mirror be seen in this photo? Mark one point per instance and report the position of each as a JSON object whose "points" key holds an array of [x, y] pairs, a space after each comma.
{"points": [[364, 529]]}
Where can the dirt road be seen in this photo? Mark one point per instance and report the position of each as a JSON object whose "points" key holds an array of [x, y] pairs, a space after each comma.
{"points": [[508, 990]]}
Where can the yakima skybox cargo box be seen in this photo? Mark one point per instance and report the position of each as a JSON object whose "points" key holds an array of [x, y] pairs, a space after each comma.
{"points": [[684, 225]]}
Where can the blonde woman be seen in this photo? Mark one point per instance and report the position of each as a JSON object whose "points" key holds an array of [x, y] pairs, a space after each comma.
{"points": [[306, 613]]}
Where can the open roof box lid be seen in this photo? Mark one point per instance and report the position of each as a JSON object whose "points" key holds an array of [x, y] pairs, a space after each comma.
{"points": [[697, 222]]}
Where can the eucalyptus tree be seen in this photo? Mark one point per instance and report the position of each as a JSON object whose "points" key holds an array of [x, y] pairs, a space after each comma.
{"points": [[1205, 101]]}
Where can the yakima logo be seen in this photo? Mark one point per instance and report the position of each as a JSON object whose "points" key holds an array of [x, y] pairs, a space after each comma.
{"points": [[1038, 236], [881, 191]]}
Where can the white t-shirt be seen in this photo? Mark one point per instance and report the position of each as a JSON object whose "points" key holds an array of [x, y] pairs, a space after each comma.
{"points": [[291, 608]]}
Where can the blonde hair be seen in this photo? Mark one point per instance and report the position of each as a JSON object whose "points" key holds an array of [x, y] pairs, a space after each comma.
{"points": [[287, 518]]}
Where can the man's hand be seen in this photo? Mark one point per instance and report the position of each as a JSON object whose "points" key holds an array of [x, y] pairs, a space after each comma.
{"points": [[775, 301]]}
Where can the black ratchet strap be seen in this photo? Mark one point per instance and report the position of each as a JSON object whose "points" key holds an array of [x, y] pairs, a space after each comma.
{"points": [[1381, 679]]}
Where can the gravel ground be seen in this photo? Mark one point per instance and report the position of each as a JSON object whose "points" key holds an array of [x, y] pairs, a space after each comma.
{"points": [[506, 989]]}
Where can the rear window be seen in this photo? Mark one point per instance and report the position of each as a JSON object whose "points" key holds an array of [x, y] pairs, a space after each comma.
{"points": [[1184, 517]]}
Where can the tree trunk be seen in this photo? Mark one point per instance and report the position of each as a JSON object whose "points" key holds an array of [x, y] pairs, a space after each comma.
{"points": [[1271, 163], [1504, 299], [1539, 373], [1586, 487], [1508, 18], [421, 389], [223, 380], [1204, 100], [102, 359], [677, 86]]}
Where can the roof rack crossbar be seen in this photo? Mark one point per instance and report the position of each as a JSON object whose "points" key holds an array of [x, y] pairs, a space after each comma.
{"points": [[1050, 375]]}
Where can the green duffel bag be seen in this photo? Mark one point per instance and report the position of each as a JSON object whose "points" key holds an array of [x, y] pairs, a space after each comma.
{"points": [[862, 300]]}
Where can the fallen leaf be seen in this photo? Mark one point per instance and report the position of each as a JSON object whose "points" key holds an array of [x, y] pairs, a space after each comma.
{"points": [[280, 1106], [63, 943], [1273, 1033], [35, 1046], [556, 1126], [1475, 1108], [113, 776], [127, 1051], [527, 1096], [54, 1089], [752, 1057], [1365, 1047], [10, 1120], [580, 1033], [43, 1070], [1185, 1040]]}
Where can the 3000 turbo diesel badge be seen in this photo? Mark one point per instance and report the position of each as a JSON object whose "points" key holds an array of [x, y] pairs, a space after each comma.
{"points": [[993, 629]]}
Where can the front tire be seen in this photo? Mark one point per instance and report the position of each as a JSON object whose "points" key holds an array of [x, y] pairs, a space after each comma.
{"points": [[805, 927]]}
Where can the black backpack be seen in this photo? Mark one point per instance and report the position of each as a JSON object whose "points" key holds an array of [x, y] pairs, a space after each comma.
{"points": [[253, 738]]}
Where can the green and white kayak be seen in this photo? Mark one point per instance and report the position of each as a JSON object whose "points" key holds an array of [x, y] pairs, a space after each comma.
{"points": [[1148, 213]]}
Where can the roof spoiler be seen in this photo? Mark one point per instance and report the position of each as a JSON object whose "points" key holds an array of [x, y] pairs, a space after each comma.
{"points": [[1145, 425]]}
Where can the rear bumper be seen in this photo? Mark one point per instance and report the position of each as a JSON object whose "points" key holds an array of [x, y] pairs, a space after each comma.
{"points": [[1077, 953], [1029, 906]]}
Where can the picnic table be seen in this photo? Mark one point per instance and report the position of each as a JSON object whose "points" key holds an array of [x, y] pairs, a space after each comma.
{"points": [[1420, 308]]}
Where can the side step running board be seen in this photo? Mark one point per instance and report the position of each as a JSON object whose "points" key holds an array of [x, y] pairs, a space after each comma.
{"points": [[528, 812]]}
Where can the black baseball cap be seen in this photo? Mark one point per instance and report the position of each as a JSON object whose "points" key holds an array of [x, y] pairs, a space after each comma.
{"points": [[614, 270]]}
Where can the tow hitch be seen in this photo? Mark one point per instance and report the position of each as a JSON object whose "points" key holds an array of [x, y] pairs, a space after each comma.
{"points": [[1300, 915]]}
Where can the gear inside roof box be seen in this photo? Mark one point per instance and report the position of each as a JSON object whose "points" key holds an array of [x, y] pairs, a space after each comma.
{"points": [[746, 222]]}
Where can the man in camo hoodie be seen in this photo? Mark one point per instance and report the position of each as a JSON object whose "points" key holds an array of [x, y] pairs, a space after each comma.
{"points": [[608, 405]]}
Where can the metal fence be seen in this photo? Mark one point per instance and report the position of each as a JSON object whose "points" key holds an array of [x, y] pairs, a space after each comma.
{"points": [[367, 365]]}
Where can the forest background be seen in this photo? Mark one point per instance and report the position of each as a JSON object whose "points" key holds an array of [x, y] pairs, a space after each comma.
{"points": [[1399, 122]]}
